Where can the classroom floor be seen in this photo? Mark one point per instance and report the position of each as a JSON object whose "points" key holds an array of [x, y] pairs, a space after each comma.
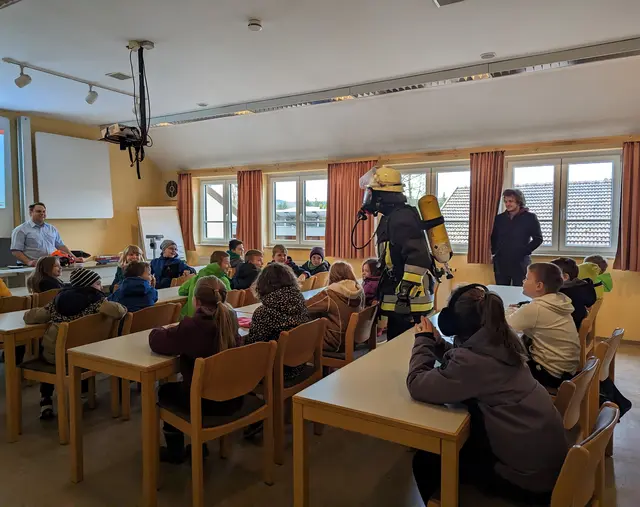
{"points": [[347, 469]]}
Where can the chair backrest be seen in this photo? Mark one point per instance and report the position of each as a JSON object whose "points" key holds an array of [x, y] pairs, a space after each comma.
{"points": [[308, 284], [612, 347], [234, 372], [595, 308], [322, 280], [301, 344], [14, 303], [231, 273], [41, 299], [586, 324], [578, 479], [569, 407], [249, 297], [153, 316], [90, 329], [235, 298], [115, 287], [177, 282], [360, 325]]}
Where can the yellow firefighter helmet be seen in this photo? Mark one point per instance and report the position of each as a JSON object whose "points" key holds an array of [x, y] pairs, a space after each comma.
{"points": [[382, 178]]}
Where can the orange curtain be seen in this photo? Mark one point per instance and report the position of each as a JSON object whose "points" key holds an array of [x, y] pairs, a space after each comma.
{"points": [[185, 210], [628, 254], [250, 209], [343, 202], [487, 174]]}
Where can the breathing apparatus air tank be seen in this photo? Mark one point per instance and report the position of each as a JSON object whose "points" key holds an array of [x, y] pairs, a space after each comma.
{"points": [[436, 231]]}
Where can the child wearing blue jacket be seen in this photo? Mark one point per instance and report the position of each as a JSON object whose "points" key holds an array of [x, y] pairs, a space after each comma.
{"points": [[169, 265], [137, 290]]}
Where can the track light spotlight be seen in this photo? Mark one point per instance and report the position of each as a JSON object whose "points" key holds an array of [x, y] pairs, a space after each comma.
{"points": [[92, 96], [23, 79]]}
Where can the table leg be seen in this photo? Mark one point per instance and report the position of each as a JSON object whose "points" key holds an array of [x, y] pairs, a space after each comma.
{"points": [[149, 441], [75, 423], [450, 470], [11, 387], [300, 459]]}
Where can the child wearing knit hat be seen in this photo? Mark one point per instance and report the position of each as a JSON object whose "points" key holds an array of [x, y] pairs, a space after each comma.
{"points": [[316, 263], [169, 265], [84, 297]]}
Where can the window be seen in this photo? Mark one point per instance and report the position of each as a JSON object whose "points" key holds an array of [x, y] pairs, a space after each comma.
{"points": [[451, 185], [219, 210], [5, 157], [298, 209], [574, 199]]}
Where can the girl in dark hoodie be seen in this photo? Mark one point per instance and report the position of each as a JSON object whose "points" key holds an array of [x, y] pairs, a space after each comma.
{"points": [[370, 279], [517, 444], [46, 276], [212, 329]]}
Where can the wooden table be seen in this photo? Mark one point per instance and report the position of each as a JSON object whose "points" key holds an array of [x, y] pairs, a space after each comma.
{"points": [[509, 295], [370, 396], [170, 295], [14, 332], [249, 309], [128, 357]]}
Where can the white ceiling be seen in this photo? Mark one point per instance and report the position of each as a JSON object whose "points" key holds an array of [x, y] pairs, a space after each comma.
{"points": [[204, 53], [585, 101]]}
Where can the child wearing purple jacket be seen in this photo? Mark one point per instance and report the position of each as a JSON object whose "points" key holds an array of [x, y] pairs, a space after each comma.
{"points": [[370, 279]]}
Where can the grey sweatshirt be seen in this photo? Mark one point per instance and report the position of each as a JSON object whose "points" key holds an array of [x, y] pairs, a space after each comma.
{"points": [[523, 427]]}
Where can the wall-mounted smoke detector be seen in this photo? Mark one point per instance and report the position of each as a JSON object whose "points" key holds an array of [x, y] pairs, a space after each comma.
{"points": [[443, 3], [488, 56], [255, 25], [120, 76]]}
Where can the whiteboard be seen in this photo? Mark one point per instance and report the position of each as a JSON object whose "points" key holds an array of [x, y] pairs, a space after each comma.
{"points": [[160, 221], [74, 177]]}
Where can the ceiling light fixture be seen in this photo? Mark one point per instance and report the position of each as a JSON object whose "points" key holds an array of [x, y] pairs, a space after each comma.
{"points": [[255, 25], [92, 96], [488, 56], [23, 79]]}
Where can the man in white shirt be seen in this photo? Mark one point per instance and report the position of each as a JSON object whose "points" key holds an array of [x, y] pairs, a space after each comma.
{"points": [[35, 238]]}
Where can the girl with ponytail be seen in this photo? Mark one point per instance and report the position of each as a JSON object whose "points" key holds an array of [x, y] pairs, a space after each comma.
{"points": [[212, 329], [517, 443]]}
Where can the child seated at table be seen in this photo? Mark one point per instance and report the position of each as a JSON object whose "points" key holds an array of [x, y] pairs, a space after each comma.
{"points": [[46, 275], [84, 297], [248, 271], [316, 263], [137, 291], [212, 329], [581, 292], [594, 268], [218, 267], [169, 266], [236, 253], [133, 253], [343, 297], [280, 256], [547, 324], [370, 279], [517, 444]]}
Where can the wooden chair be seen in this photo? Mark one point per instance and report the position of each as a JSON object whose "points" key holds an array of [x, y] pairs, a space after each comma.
{"points": [[231, 273], [586, 333], [115, 287], [250, 297], [89, 329], [359, 339], [15, 303], [41, 299], [300, 345], [224, 376], [606, 352], [308, 284], [581, 480], [235, 298], [322, 280], [573, 399], [177, 282], [148, 318]]}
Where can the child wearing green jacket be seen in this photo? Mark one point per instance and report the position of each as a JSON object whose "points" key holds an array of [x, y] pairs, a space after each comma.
{"points": [[218, 267]]}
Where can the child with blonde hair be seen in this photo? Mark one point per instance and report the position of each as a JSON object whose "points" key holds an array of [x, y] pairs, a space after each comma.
{"points": [[132, 253]]}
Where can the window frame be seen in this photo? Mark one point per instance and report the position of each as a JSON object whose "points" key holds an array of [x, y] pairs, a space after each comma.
{"points": [[431, 171], [561, 164], [300, 180], [227, 211]]}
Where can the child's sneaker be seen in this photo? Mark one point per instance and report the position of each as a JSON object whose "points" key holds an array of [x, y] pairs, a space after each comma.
{"points": [[46, 409]]}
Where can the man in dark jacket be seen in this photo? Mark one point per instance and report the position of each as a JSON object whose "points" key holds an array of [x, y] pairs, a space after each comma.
{"points": [[516, 234], [248, 271]]}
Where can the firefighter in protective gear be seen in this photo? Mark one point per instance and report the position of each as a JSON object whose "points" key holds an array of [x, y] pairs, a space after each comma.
{"points": [[405, 291]]}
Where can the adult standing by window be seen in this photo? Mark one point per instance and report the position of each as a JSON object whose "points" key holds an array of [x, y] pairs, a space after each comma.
{"points": [[35, 238], [516, 234]]}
